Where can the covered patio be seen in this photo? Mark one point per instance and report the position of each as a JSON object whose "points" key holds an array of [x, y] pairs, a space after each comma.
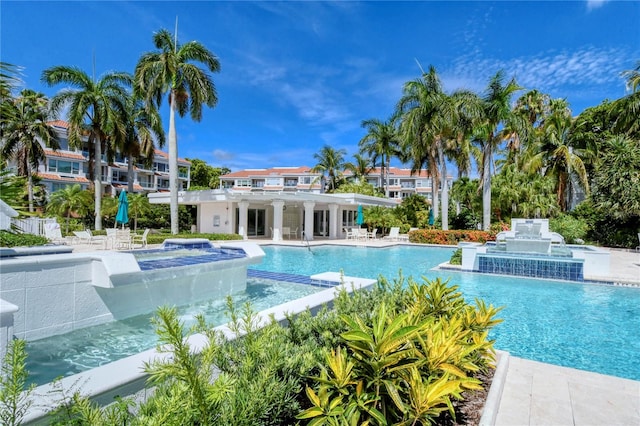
{"points": [[274, 215]]}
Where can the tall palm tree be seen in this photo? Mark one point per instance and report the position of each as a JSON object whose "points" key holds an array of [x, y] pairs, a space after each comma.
{"points": [[419, 109], [96, 110], [627, 109], [143, 129], [496, 112], [71, 199], [9, 79], [381, 143], [171, 70], [25, 132], [556, 157], [330, 161]]}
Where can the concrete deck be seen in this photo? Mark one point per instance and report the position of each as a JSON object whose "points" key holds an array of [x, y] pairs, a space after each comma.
{"points": [[536, 393]]}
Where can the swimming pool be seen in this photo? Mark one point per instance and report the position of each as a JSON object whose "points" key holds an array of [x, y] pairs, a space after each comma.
{"points": [[584, 326], [87, 348]]}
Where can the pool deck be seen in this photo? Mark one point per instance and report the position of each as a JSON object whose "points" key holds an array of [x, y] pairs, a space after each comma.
{"points": [[536, 393]]}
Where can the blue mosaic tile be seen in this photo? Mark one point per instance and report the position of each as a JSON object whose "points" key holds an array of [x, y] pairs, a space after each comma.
{"points": [[293, 278]]}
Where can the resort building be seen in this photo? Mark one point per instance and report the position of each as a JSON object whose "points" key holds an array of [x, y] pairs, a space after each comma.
{"points": [[292, 179], [68, 166], [277, 215]]}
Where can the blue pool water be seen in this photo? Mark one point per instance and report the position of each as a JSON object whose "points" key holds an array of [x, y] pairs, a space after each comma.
{"points": [[91, 347], [585, 326]]}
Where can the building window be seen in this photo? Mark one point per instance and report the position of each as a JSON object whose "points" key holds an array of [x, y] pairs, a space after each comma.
{"points": [[62, 166], [160, 167], [273, 181], [243, 183], [291, 182]]}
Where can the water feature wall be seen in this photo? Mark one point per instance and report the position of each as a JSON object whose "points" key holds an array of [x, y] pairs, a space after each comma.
{"points": [[531, 250], [57, 293]]}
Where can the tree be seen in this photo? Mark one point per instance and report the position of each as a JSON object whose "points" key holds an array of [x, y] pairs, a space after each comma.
{"points": [[25, 132], [138, 206], [331, 162], [627, 109], [616, 184], [381, 142], [72, 199], [170, 70], [496, 111], [556, 156], [360, 168], [9, 79], [96, 111], [205, 176], [143, 127]]}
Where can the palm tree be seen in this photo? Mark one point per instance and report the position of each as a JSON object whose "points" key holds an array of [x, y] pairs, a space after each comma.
{"points": [[331, 162], [143, 128], [627, 109], [556, 157], [96, 112], [381, 142], [9, 79], [25, 133], [138, 206], [360, 168], [72, 199], [419, 108], [496, 111], [170, 70]]}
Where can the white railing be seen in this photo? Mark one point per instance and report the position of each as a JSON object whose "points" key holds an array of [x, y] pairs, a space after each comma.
{"points": [[32, 225]]}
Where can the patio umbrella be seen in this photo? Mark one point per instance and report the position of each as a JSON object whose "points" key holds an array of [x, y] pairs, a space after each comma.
{"points": [[360, 217], [431, 220], [123, 209]]}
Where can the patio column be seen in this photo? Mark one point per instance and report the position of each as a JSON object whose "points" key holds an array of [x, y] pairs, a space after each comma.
{"points": [[333, 221], [308, 219], [277, 219], [243, 216]]}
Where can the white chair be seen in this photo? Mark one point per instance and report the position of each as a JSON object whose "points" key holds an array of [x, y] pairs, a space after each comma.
{"points": [[123, 239], [53, 233], [394, 234], [373, 234], [348, 234], [85, 237], [139, 239], [286, 232], [362, 234]]}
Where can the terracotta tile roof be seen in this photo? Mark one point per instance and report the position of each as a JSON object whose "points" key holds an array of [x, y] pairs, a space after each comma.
{"points": [[58, 123], [74, 179], [274, 171], [64, 154], [136, 187], [166, 155]]}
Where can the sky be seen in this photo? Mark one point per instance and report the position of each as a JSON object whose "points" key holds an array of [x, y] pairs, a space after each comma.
{"points": [[298, 75]]}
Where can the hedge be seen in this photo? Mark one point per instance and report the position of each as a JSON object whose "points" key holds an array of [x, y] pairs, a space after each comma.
{"points": [[452, 238]]}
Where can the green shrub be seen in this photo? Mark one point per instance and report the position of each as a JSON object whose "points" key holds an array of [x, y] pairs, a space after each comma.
{"points": [[159, 238], [573, 230], [456, 257], [13, 239]]}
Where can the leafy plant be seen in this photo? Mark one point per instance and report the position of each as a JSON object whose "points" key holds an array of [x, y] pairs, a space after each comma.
{"points": [[14, 394], [456, 257]]}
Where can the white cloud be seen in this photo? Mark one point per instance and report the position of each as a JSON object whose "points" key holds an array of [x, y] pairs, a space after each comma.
{"points": [[595, 4]]}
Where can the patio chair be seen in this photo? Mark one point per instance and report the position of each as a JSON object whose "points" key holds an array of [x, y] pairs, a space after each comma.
{"points": [[85, 237], [123, 239], [53, 233], [638, 248], [348, 234], [139, 239], [394, 234], [373, 234], [362, 234]]}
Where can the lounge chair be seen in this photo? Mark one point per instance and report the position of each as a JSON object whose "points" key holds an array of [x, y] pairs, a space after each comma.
{"points": [[139, 239], [53, 233], [85, 237], [394, 234]]}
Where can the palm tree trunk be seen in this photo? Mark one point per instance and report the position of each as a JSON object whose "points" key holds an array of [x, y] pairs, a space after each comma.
{"points": [[486, 186], [387, 180], [97, 183], [445, 189], [30, 189], [130, 174], [385, 188], [173, 167]]}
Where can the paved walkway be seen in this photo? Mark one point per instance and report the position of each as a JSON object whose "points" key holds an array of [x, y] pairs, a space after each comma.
{"points": [[543, 394]]}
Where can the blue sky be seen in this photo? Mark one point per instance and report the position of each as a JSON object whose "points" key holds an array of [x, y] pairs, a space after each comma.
{"points": [[298, 75]]}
